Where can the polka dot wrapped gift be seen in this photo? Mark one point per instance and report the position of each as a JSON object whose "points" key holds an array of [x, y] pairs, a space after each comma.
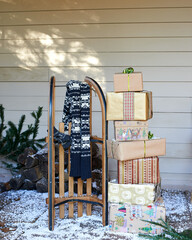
{"points": [[142, 194]]}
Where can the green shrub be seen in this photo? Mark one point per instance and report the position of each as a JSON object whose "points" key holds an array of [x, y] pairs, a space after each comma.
{"points": [[14, 141]]}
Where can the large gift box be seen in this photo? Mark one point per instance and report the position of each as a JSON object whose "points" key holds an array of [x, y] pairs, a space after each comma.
{"points": [[129, 105], [135, 149], [144, 170], [124, 82], [143, 194], [131, 130], [128, 218]]}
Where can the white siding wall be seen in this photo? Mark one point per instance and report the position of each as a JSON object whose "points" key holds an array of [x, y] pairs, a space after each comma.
{"points": [[72, 39]]}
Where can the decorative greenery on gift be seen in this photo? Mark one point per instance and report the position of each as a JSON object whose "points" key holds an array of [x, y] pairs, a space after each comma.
{"points": [[128, 70], [150, 135]]}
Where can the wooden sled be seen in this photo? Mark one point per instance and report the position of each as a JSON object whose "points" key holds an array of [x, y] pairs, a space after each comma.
{"points": [[81, 198]]}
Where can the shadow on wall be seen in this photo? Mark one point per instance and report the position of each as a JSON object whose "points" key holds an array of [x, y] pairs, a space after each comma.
{"points": [[34, 45], [53, 40]]}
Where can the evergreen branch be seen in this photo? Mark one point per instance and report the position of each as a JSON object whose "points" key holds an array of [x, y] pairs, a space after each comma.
{"points": [[15, 141], [33, 114], [35, 148], [13, 128], [37, 116], [2, 126], [150, 135], [20, 125], [40, 140], [187, 233], [39, 145], [11, 153], [26, 134], [2, 112], [18, 134], [157, 223], [158, 237], [169, 232]]}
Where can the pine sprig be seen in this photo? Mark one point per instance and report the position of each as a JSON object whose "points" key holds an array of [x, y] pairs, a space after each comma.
{"points": [[20, 125], [15, 141], [2, 119], [37, 116], [169, 232]]}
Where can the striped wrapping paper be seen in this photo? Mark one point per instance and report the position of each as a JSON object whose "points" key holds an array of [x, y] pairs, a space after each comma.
{"points": [[145, 170], [128, 105]]}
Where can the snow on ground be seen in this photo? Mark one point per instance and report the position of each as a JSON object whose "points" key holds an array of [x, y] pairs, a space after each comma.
{"points": [[178, 209], [25, 212]]}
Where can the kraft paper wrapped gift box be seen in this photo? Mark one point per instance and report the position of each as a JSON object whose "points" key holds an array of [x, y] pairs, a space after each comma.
{"points": [[130, 150], [129, 105], [144, 170], [131, 130], [142, 194], [124, 82], [128, 218]]}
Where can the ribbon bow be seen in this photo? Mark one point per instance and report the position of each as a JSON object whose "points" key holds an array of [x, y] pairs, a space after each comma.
{"points": [[128, 70]]}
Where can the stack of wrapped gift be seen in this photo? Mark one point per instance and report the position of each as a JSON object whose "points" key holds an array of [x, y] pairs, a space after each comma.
{"points": [[137, 194]]}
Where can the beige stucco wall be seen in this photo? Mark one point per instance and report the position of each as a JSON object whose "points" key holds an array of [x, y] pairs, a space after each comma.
{"points": [[72, 39]]}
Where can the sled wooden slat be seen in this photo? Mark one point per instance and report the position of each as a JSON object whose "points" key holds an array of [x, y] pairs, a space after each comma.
{"points": [[80, 193], [89, 190], [71, 193]]}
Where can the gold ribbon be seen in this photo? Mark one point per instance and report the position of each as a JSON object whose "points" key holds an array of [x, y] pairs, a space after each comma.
{"points": [[128, 84], [144, 149]]}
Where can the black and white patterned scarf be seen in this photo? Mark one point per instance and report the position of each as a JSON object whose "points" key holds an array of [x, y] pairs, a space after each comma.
{"points": [[77, 111]]}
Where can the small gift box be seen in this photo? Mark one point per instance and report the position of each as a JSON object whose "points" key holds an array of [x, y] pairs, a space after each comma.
{"points": [[130, 150], [124, 82], [131, 130], [145, 170], [142, 194], [128, 218], [129, 105]]}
